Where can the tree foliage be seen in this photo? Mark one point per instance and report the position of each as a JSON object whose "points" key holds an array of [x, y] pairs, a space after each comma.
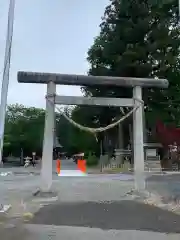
{"points": [[73, 139], [24, 129], [138, 39]]}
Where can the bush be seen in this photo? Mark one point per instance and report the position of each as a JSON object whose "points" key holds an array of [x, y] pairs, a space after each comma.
{"points": [[92, 160]]}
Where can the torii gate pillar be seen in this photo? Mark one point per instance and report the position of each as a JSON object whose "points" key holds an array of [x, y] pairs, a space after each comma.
{"points": [[138, 142], [47, 156]]}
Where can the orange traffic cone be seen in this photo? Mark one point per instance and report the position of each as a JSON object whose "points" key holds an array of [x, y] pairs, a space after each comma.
{"points": [[82, 165], [58, 166]]}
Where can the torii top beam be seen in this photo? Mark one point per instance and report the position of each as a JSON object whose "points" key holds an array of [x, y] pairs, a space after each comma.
{"points": [[83, 80]]}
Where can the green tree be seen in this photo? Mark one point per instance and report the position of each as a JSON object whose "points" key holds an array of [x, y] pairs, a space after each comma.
{"points": [[138, 39], [24, 129], [84, 141], [73, 139]]}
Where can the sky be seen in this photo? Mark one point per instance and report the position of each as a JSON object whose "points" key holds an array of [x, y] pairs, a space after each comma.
{"points": [[49, 36]]}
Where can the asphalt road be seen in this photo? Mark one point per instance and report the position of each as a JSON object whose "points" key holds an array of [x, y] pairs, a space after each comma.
{"points": [[127, 220], [123, 215]]}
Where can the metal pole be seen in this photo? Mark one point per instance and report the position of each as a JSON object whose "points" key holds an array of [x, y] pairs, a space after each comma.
{"points": [[5, 80]]}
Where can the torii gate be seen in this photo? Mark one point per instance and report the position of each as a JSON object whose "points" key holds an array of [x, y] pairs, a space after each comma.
{"points": [[51, 79]]}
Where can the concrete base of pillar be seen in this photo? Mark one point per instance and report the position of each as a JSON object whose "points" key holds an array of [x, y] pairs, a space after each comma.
{"points": [[144, 194]]}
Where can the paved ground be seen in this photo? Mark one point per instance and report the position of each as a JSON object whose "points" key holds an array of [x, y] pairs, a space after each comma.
{"points": [[67, 165], [125, 220], [168, 186], [89, 207], [31, 232], [123, 215]]}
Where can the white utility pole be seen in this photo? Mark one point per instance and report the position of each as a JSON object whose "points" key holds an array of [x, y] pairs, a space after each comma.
{"points": [[5, 80]]}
